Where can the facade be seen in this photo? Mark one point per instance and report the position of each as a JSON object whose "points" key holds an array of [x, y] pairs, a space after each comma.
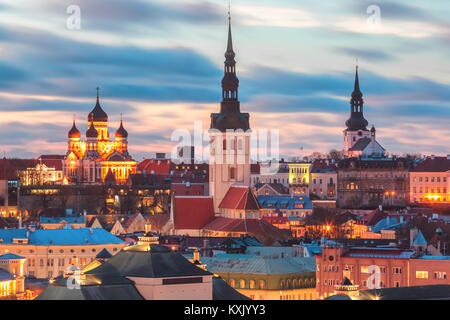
{"points": [[12, 280], [358, 140], [49, 253], [370, 182], [229, 135], [89, 161], [299, 175], [298, 206], [261, 278], [323, 182], [397, 268], [430, 181], [262, 174], [48, 170]]}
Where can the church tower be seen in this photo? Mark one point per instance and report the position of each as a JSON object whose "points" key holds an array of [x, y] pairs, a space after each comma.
{"points": [[356, 124], [229, 135]]}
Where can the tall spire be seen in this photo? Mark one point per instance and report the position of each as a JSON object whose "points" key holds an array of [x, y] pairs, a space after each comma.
{"points": [[230, 116], [356, 120], [230, 53], [230, 82]]}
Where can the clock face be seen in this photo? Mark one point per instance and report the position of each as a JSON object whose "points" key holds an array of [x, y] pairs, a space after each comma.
{"points": [[359, 133]]}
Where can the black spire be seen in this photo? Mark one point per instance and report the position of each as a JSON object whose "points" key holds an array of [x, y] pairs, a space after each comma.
{"points": [[356, 120], [230, 82], [98, 114], [230, 116]]}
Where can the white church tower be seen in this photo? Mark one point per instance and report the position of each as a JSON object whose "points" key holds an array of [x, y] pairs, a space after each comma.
{"points": [[229, 135]]}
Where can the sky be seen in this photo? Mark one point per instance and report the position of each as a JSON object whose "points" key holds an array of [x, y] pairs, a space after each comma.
{"points": [[160, 63]]}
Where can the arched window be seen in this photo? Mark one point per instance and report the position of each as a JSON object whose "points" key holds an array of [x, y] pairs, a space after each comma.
{"points": [[282, 284], [252, 284], [242, 283], [232, 283], [262, 284]]}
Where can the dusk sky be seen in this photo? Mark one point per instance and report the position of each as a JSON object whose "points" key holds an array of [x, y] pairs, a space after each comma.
{"points": [[160, 63]]}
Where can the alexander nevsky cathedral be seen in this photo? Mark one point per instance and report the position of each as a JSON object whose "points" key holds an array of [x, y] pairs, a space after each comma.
{"points": [[98, 158]]}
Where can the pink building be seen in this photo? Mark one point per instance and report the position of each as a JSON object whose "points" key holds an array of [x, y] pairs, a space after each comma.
{"points": [[378, 267]]}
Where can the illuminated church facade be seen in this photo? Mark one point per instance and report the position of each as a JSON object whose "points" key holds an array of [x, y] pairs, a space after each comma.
{"points": [[98, 158]]}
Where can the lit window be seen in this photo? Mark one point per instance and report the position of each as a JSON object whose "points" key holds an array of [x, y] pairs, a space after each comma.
{"points": [[421, 274]]}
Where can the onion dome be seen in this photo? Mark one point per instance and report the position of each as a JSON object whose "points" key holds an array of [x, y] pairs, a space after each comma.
{"points": [[92, 132], [74, 133], [98, 114], [121, 132]]}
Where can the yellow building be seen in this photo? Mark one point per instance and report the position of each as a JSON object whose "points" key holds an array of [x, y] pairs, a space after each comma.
{"points": [[41, 174], [49, 253], [261, 278], [12, 280], [299, 174], [430, 181]]}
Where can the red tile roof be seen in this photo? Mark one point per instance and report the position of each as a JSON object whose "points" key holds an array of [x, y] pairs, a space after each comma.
{"points": [[438, 164], [155, 166], [240, 198], [183, 189], [192, 212], [255, 227]]}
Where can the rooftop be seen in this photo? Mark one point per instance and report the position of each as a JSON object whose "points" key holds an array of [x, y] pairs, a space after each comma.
{"points": [[79, 236]]}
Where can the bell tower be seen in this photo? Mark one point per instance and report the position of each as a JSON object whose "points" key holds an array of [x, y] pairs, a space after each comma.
{"points": [[229, 134], [356, 124]]}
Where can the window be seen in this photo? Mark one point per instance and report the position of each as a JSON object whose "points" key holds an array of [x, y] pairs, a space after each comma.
{"points": [[421, 274], [397, 270], [232, 283], [364, 269], [440, 275], [232, 173], [252, 284], [262, 284], [242, 283]]}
